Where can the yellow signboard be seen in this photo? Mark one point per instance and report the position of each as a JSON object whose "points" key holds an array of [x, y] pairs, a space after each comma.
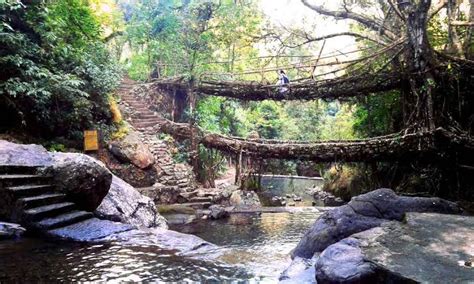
{"points": [[91, 140]]}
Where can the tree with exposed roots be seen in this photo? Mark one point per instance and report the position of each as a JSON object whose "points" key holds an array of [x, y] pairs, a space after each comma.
{"points": [[419, 48]]}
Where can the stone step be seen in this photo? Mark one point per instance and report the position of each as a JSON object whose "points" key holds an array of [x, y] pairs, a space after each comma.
{"points": [[196, 205], [42, 200], [18, 169], [139, 106], [18, 179], [30, 190], [150, 115], [63, 220], [128, 96], [139, 109], [207, 194], [144, 113], [200, 199], [144, 124], [52, 210], [154, 119]]}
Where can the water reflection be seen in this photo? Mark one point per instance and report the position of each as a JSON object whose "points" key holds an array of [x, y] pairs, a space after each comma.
{"points": [[254, 248], [32, 260], [259, 243]]}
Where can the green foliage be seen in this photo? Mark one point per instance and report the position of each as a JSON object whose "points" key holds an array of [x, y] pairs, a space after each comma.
{"points": [[56, 147], [55, 68], [138, 68], [211, 164], [219, 115], [378, 115], [185, 38]]}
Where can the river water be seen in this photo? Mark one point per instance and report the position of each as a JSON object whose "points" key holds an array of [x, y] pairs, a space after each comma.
{"points": [[252, 248]]}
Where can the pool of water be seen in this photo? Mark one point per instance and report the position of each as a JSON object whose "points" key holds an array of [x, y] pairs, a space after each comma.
{"points": [[258, 243], [253, 248], [288, 187]]}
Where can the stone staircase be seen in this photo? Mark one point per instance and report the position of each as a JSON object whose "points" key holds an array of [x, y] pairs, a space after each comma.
{"points": [[172, 177], [36, 204]]}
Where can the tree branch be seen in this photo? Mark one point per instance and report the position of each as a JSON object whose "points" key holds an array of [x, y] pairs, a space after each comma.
{"points": [[367, 22]]}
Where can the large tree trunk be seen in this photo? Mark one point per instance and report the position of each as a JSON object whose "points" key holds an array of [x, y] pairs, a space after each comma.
{"points": [[420, 61]]}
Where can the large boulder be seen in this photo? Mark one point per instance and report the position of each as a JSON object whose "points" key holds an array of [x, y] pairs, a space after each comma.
{"points": [[26, 155], [132, 150], [84, 179], [125, 204], [362, 213], [244, 199], [217, 212], [427, 248], [11, 231]]}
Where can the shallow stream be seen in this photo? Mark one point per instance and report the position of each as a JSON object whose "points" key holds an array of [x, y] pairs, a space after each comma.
{"points": [[252, 247]]}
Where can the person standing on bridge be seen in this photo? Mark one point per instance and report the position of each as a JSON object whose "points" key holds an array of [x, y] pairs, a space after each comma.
{"points": [[283, 82]]}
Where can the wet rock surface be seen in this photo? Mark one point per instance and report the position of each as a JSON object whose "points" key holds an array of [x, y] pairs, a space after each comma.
{"points": [[301, 270], [131, 149], [364, 212], [10, 231], [125, 204], [82, 178], [184, 244], [427, 248], [96, 230], [91, 230]]}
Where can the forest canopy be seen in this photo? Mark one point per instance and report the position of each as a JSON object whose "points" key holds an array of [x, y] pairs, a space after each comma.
{"points": [[357, 69]]}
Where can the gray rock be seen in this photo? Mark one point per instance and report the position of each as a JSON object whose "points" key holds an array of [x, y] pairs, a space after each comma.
{"points": [[323, 198], [164, 194], [11, 230], [224, 192], [244, 199], [362, 213], [184, 244], [132, 150], [84, 179], [96, 230], [301, 270], [278, 201], [296, 198], [125, 204], [91, 230], [427, 248], [27, 155], [218, 212]]}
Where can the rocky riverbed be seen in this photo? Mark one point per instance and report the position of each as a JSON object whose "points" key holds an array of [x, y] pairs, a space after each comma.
{"points": [[381, 237], [377, 237]]}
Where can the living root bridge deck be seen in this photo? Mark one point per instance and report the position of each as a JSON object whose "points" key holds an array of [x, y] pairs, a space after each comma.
{"points": [[427, 145], [329, 89]]}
